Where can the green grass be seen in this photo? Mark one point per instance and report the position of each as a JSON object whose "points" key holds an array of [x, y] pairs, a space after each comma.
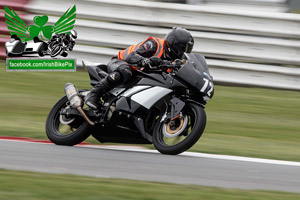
{"points": [[38, 186], [27, 97], [253, 122], [241, 121]]}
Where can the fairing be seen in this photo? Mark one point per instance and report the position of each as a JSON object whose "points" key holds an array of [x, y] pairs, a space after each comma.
{"points": [[195, 72]]}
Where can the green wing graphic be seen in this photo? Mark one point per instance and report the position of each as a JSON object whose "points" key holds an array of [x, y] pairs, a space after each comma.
{"points": [[15, 24], [66, 22]]}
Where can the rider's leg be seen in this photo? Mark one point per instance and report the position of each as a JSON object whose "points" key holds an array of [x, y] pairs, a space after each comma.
{"points": [[106, 84], [120, 72]]}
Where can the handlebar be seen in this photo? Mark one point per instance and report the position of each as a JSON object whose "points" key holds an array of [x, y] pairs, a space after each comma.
{"points": [[174, 65]]}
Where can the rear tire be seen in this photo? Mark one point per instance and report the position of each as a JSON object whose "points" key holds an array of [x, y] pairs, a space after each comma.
{"points": [[52, 127], [196, 124]]}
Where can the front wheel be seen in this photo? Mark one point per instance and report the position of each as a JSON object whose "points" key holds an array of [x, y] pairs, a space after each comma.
{"points": [[181, 133], [65, 131]]}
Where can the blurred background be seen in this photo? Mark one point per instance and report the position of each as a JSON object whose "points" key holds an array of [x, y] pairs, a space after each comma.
{"points": [[247, 42], [252, 49]]}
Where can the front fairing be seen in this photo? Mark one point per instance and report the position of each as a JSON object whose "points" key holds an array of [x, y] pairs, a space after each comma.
{"points": [[195, 72]]}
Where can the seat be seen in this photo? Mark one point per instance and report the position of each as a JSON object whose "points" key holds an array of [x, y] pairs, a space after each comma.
{"points": [[97, 71], [87, 64]]}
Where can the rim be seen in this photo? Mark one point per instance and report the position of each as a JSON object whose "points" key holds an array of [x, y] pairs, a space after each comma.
{"points": [[181, 130], [66, 126], [175, 127]]}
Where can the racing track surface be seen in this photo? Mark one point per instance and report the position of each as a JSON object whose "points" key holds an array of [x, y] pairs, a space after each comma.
{"points": [[149, 166]]}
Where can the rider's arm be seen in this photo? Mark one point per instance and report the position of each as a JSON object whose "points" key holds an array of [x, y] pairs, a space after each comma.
{"points": [[146, 50]]}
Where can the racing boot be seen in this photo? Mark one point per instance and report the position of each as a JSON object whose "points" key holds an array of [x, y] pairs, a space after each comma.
{"points": [[92, 99], [106, 84]]}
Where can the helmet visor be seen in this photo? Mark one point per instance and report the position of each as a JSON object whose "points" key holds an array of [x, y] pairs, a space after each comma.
{"points": [[189, 47], [180, 49]]}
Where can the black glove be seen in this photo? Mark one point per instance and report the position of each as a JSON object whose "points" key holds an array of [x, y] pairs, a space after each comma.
{"points": [[152, 62], [177, 63], [166, 62], [155, 61], [164, 65]]}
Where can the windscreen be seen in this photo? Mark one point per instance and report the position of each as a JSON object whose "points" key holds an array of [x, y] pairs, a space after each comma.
{"points": [[195, 72]]}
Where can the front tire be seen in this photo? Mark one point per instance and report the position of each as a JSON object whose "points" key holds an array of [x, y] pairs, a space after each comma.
{"points": [[190, 128], [56, 131]]}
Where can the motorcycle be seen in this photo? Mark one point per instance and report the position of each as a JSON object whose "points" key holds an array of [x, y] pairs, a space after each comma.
{"points": [[56, 47], [158, 107]]}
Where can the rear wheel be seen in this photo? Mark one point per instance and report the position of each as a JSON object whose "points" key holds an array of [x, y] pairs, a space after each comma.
{"points": [[65, 131], [181, 133]]}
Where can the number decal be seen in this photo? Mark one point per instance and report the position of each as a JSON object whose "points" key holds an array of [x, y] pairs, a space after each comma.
{"points": [[211, 89], [205, 85], [211, 85]]}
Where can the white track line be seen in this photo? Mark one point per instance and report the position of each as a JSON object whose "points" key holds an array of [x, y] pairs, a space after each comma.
{"points": [[190, 154]]}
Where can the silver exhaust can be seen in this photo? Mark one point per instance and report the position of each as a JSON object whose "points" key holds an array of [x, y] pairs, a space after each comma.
{"points": [[73, 95]]}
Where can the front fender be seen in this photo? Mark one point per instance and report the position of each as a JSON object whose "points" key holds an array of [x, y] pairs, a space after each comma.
{"points": [[195, 102]]}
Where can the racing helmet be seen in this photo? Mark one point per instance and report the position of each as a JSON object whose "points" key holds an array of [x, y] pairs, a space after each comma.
{"points": [[178, 42], [73, 35]]}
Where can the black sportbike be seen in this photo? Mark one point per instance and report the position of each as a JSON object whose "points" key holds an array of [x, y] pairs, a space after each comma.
{"points": [[158, 107]]}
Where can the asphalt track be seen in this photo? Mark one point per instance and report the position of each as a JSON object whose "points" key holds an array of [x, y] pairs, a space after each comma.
{"points": [[226, 172]]}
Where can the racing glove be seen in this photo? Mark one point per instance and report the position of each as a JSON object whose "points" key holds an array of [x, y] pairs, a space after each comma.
{"points": [[155, 61], [164, 65]]}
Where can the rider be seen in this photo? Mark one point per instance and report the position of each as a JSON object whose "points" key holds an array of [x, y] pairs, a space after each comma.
{"points": [[151, 51], [67, 40]]}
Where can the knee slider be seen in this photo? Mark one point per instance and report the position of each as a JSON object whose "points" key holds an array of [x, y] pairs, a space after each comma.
{"points": [[114, 78], [126, 73]]}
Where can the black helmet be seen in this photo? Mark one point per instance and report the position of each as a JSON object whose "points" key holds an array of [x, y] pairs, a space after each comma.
{"points": [[178, 42]]}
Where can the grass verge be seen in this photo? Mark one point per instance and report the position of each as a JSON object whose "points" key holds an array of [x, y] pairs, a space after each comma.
{"points": [[39, 186], [252, 122]]}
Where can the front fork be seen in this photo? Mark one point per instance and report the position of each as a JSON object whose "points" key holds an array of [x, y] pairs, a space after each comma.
{"points": [[173, 110]]}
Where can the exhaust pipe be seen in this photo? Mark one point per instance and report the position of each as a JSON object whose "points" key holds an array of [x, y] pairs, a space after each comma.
{"points": [[76, 101]]}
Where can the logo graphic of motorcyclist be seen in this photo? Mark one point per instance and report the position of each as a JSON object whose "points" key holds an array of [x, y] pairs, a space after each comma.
{"points": [[40, 38]]}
